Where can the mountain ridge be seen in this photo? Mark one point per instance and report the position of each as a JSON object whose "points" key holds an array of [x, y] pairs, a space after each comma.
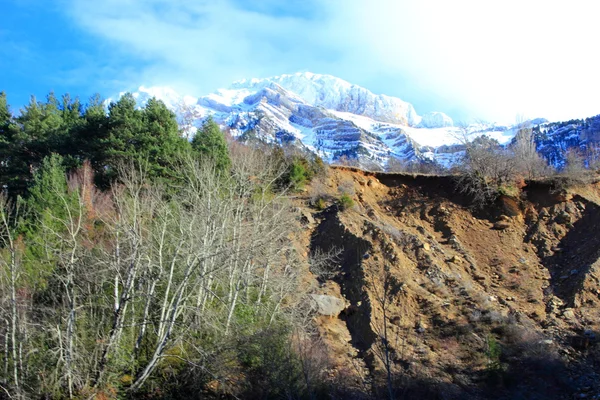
{"points": [[331, 117]]}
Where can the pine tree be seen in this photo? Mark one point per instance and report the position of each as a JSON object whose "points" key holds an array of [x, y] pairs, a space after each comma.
{"points": [[72, 122], [210, 142], [48, 187], [162, 142], [149, 135], [13, 165], [124, 131]]}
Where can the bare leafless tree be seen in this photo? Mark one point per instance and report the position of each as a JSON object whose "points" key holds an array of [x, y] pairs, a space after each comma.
{"points": [[528, 161], [385, 289], [11, 262]]}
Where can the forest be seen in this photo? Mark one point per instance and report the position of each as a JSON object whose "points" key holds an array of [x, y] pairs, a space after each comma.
{"points": [[136, 263]]}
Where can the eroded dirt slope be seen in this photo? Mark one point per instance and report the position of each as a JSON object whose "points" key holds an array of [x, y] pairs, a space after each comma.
{"points": [[501, 302]]}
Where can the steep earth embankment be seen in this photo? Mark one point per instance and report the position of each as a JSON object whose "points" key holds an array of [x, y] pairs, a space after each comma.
{"points": [[501, 302]]}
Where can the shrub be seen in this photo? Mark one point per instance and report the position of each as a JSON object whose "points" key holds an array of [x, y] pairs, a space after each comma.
{"points": [[485, 169], [297, 174], [320, 204], [574, 172], [345, 202], [272, 367], [510, 190], [299, 169], [346, 187]]}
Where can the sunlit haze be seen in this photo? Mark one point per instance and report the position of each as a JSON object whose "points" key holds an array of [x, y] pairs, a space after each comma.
{"points": [[469, 59]]}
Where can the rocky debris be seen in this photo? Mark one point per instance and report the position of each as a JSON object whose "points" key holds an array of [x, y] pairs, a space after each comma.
{"points": [[443, 211], [453, 240], [564, 196], [563, 218], [544, 214], [502, 225], [374, 183], [454, 265], [455, 260], [568, 314], [554, 304], [328, 305], [306, 218]]}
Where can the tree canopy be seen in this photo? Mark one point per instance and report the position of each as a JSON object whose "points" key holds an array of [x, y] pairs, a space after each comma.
{"points": [[109, 136]]}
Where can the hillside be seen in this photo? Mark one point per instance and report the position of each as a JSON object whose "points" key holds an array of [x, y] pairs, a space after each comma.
{"points": [[495, 303], [137, 263]]}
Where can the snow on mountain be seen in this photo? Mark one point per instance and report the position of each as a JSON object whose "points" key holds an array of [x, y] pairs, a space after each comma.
{"points": [[167, 95], [436, 120], [336, 94], [325, 115]]}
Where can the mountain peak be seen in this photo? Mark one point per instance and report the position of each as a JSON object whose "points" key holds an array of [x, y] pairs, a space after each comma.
{"points": [[336, 94]]}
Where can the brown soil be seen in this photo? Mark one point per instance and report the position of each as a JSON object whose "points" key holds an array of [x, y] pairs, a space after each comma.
{"points": [[522, 275]]}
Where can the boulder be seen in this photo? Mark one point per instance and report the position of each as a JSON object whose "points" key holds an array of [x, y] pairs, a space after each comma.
{"points": [[568, 314], [306, 218], [456, 260], [501, 225], [328, 305], [374, 183], [563, 218]]}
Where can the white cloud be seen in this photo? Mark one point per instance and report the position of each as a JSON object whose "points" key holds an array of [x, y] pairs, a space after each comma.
{"points": [[487, 59]]}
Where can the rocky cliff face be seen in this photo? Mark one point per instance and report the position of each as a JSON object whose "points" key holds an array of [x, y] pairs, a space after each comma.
{"points": [[322, 114], [495, 303], [332, 93], [335, 119]]}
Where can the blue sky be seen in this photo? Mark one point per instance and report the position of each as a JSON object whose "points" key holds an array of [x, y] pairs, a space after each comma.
{"points": [[468, 58]]}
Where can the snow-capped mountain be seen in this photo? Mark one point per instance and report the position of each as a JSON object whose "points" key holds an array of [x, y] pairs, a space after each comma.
{"points": [[336, 94], [328, 116]]}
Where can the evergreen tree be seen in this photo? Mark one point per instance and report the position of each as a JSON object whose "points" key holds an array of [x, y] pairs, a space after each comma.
{"points": [[14, 169], [210, 142], [124, 131], [46, 208], [149, 135], [162, 142], [72, 122], [8, 131], [49, 186], [89, 138]]}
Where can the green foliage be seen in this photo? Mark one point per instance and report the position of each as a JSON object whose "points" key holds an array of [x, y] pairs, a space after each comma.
{"points": [[47, 205], [49, 187], [13, 167], [210, 142], [345, 202], [510, 190], [298, 174], [320, 204], [493, 353], [130, 274], [148, 135], [300, 169], [273, 369]]}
